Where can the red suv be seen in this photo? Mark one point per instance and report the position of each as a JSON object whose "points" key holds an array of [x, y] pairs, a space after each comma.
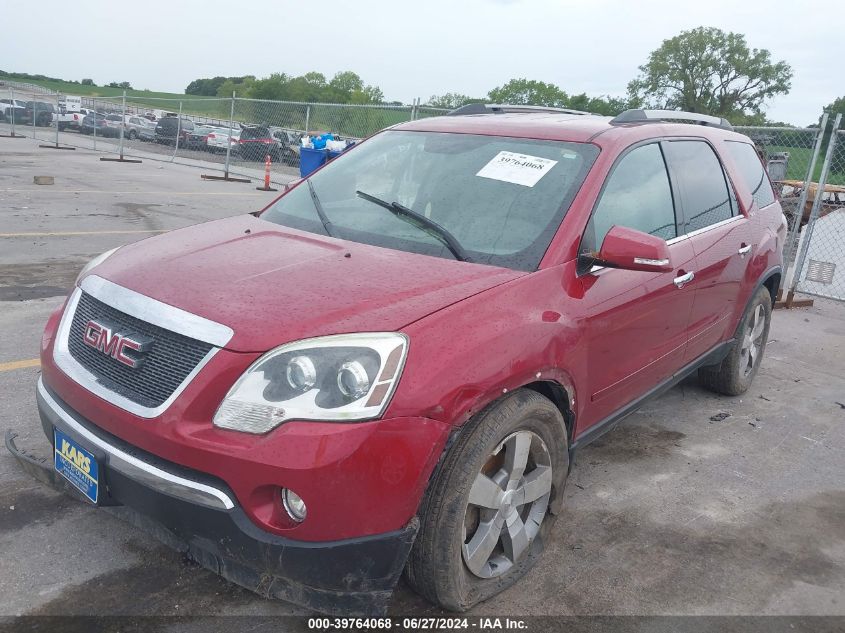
{"points": [[391, 366]]}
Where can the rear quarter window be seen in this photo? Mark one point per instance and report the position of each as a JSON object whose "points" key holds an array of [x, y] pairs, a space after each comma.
{"points": [[751, 171]]}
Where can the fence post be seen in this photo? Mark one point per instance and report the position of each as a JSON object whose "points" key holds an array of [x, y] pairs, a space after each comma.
{"points": [[122, 122], [13, 109], [231, 127], [33, 118], [58, 114], [307, 118], [814, 213], [802, 200], [178, 132]]}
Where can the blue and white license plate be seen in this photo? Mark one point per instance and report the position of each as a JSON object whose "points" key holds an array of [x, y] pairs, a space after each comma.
{"points": [[77, 465]]}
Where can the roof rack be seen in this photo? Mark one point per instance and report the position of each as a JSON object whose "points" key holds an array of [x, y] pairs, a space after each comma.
{"points": [[651, 116], [494, 108]]}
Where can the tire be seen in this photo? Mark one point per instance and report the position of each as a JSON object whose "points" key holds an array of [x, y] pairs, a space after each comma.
{"points": [[132, 135], [734, 375], [439, 564]]}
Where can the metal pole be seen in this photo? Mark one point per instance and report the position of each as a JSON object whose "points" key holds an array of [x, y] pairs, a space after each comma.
{"points": [[94, 119], [178, 132], [122, 123], [307, 119], [33, 118], [802, 200], [58, 115], [13, 108], [814, 213], [231, 127]]}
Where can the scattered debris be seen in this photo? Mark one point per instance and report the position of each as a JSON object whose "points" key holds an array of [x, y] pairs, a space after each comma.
{"points": [[579, 486], [762, 397], [753, 424], [842, 406], [719, 416], [577, 547]]}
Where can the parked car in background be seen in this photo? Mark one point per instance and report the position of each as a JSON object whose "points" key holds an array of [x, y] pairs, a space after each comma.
{"points": [[8, 106], [42, 113], [96, 123], [69, 120], [195, 139], [290, 144], [219, 138], [168, 128], [138, 127], [256, 142]]}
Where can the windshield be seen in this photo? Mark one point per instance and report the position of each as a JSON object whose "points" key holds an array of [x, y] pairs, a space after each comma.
{"points": [[501, 198]]}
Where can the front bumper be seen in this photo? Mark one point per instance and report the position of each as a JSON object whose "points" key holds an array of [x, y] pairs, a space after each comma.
{"points": [[199, 515]]}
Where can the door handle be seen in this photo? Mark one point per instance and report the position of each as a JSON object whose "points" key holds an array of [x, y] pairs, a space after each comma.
{"points": [[744, 250], [684, 279]]}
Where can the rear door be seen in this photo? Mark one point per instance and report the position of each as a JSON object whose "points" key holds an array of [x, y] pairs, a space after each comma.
{"points": [[636, 322], [721, 238]]}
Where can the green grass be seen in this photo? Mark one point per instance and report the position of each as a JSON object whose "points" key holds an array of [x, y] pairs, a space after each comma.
{"points": [[190, 104], [799, 159]]}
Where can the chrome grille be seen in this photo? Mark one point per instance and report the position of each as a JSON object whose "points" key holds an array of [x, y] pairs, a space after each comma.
{"points": [[166, 365]]}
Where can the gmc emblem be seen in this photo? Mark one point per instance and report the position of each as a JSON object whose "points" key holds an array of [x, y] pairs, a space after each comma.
{"points": [[105, 339]]}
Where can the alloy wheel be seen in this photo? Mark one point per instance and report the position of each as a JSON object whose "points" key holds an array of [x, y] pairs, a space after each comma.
{"points": [[752, 341], [507, 504]]}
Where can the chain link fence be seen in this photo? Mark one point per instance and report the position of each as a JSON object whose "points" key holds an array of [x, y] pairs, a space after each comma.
{"points": [[236, 135], [820, 265], [230, 135]]}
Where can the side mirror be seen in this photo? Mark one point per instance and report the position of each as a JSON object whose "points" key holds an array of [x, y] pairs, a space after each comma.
{"points": [[634, 250]]}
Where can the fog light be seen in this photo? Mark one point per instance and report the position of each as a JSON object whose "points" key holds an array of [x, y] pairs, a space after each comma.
{"points": [[294, 505]]}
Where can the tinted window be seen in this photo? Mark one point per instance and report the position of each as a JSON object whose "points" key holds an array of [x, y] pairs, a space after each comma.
{"points": [[637, 195], [501, 198], [701, 182], [752, 173], [255, 132]]}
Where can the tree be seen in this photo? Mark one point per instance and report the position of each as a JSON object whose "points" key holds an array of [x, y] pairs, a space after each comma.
{"points": [[709, 71], [123, 84], [88, 82], [528, 92], [205, 87], [451, 100]]}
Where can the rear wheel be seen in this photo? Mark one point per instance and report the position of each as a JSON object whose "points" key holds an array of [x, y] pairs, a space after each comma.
{"points": [[734, 375], [132, 135], [487, 514]]}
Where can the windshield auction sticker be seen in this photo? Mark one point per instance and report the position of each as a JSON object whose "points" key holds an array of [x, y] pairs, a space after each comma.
{"points": [[520, 169]]}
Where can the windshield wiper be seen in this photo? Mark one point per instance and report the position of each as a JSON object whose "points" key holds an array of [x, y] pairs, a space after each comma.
{"points": [[319, 208], [423, 223]]}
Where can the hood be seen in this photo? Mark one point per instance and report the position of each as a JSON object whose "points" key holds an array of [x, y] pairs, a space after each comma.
{"points": [[272, 284]]}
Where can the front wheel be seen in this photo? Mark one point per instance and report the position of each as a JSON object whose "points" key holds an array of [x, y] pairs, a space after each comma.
{"points": [[132, 135], [734, 375], [492, 504]]}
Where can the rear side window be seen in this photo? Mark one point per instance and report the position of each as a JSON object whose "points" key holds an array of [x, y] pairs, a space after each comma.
{"points": [[751, 171], [702, 184], [637, 195]]}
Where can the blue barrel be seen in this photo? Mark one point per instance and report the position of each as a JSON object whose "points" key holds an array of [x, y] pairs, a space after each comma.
{"points": [[311, 159]]}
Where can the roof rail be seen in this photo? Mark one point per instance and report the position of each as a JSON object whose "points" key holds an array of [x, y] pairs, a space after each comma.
{"points": [[648, 116], [494, 108]]}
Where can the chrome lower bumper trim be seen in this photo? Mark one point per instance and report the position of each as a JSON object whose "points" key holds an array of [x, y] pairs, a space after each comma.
{"points": [[132, 467]]}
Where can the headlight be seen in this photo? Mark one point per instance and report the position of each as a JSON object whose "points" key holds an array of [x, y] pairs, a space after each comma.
{"points": [[99, 259], [346, 377]]}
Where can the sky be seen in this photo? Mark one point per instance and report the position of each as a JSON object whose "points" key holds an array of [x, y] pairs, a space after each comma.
{"points": [[412, 49]]}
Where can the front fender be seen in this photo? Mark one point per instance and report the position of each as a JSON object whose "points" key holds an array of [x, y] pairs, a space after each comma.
{"points": [[467, 355]]}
